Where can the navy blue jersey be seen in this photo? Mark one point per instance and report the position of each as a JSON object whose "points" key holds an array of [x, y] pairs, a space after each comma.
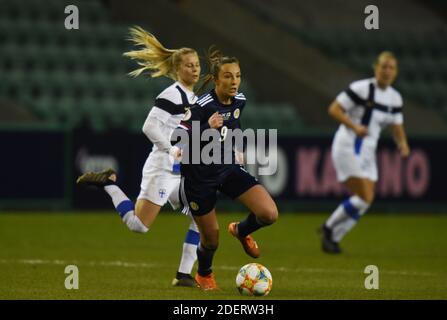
{"points": [[204, 108]]}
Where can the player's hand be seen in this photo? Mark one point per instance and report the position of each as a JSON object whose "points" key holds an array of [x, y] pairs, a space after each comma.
{"points": [[360, 131], [215, 121], [176, 152], [404, 150]]}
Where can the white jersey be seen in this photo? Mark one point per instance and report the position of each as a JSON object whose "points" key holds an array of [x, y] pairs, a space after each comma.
{"points": [[385, 109], [169, 108], [367, 104]]}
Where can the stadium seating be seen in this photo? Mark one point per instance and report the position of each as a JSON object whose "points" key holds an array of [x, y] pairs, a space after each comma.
{"points": [[423, 70], [78, 77], [421, 47]]}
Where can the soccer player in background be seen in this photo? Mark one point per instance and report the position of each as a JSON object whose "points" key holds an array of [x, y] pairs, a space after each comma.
{"points": [[161, 172], [200, 182], [362, 110]]}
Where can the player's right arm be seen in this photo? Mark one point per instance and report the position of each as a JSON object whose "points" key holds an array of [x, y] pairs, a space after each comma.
{"points": [[337, 112], [215, 121], [156, 120], [346, 100]]}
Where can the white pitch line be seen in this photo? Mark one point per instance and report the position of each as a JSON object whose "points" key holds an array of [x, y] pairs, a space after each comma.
{"points": [[320, 270], [88, 263], [126, 264]]}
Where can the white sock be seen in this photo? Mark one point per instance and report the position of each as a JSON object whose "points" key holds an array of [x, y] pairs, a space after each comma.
{"points": [[337, 216], [341, 229], [125, 208], [117, 195], [189, 253], [134, 223], [345, 217]]}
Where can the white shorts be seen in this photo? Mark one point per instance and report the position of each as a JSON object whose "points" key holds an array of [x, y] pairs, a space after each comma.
{"points": [[348, 164], [160, 186]]}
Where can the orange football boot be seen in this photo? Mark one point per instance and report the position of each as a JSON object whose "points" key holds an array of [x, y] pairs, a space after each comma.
{"points": [[249, 244], [206, 283]]}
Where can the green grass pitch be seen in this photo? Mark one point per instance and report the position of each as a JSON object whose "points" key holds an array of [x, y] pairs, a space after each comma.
{"points": [[409, 250]]}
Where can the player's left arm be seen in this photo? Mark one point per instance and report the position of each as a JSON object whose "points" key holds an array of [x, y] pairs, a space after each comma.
{"points": [[400, 137], [155, 120], [397, 129], [239, 146]]}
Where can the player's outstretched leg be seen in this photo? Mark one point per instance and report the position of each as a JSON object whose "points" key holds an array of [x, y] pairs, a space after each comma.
{"points": [[248, 243], [106, 179], [263, 213], [98, 179], [327, 244], [183, 277], [342, 220], [347, 214]]}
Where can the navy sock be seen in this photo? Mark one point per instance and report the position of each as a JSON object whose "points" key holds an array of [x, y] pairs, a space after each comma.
{"points": [[249, 225], [205, 260]]}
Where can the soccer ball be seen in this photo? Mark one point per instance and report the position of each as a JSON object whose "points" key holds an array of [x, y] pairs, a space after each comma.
{"points": [[254, 279]]}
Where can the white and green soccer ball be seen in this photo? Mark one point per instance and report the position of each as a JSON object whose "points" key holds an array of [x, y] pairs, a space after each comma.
{"points": [[254, 279]]}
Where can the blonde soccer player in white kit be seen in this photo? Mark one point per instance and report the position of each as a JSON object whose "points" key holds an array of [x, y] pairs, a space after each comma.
{"points": [[160, 174], [362, 110]]}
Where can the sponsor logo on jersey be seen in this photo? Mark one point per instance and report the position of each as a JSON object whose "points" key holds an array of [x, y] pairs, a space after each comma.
{"points": [[226, 115]]}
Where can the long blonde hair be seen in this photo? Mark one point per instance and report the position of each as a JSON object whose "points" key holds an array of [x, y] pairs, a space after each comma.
{"points": [[153, 56]]}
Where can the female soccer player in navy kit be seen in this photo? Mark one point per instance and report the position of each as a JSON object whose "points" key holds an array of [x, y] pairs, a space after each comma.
{"points": [[363, 110], [200, 182], [161, 176]]}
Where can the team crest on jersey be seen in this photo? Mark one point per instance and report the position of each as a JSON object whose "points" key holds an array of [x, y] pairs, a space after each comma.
{"points": [[236, 113], [194, 206], [187, 115]]}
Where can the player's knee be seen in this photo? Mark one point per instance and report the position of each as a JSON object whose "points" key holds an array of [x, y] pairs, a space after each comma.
{"points": [[361, 204], [211, 245], [368, 197], [210, 240], [269, 215], [193, 226]]}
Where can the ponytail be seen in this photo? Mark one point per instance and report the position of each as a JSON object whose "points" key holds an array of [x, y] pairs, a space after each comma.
{"points": [[153, 56]]}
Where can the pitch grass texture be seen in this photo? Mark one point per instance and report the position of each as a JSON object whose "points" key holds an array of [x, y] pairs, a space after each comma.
{"points": [[114, 263]]}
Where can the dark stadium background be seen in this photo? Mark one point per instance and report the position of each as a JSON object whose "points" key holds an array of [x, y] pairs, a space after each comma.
{"points": [[66, 104]]}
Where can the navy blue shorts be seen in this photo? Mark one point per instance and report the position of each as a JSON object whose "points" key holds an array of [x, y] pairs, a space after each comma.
{"points": [[199, 197]]}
